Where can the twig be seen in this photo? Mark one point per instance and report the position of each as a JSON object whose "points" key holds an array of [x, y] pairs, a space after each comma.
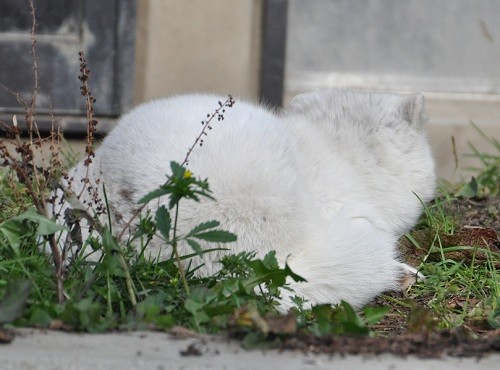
{"points": [[15, 131], [91, 121], [455, 155], [219, 113], [129, 222], [30, 114], [176, 251], [26, 169], [33, 52]]}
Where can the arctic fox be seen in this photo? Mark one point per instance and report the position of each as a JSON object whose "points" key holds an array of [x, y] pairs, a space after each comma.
{"points": [[329, 183]]}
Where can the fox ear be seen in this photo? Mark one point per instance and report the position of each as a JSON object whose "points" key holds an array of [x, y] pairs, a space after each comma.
{"points": [[412, 108], [301, 101]]}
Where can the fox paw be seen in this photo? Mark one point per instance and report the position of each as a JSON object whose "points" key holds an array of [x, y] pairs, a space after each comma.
{"points": [[409, 276]]}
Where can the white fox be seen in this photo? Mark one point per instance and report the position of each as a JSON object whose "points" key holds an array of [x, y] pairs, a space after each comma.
{"points": [[330, 182]]}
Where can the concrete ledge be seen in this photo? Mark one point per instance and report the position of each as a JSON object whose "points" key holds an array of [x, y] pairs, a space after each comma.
{"points": [[38, 349]]}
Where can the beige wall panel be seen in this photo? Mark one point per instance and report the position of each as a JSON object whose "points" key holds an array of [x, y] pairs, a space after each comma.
{"points": [[452, 118], [188, 46], [440, 138], [197, 46]]}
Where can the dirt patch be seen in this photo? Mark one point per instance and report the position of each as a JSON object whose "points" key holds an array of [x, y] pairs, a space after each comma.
{"points": [[423, 345], [191, 350], [477, 224], [6, 336], [475, 212]]}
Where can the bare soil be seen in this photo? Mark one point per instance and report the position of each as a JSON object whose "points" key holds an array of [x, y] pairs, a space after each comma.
{"points": [[423, 345]]}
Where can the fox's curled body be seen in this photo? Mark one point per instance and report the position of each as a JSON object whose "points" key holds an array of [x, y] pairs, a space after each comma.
{"points": [[329, 182]]}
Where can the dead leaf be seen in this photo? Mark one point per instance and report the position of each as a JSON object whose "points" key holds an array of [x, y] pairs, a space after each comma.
{"points": [[282, 324], [6, 336], [180, 332]]}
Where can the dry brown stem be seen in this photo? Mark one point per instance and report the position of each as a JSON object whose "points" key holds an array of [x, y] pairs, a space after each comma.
{"points": [[219, 113], [32, 176]]}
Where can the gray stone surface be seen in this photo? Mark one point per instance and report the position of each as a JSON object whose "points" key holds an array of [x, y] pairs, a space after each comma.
{"points": [[37, 349]]}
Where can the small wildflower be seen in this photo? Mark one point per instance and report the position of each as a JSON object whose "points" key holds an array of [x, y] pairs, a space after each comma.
{"points": [[188, 174]]}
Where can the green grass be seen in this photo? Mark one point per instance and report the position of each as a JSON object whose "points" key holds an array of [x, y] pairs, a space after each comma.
{"points": [[462, 285], [460, 293], [13, 196], [461, 289], [123, 289]]}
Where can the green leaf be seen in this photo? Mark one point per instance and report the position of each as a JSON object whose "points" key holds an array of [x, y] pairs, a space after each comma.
{"points": [[83, 314], [203, 226], [256, 340], [292, 274], [14, 228], [203, 251], [196, 310], [274, 277], [163, 222], [353, 327], [164, 321], [110, 263], [340, 319], [177, 169], [195, 246], [270, 260], [373, 315], [14, 299], [469, 190], [494, 319], [323, 315], [109, 242], [219, 236], [45, 225], [40, 318], [350, 320], [155, 194]]}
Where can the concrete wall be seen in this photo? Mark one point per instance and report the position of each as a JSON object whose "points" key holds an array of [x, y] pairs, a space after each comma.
{"points": [[187, 46], [197, 46], [452, 118]]}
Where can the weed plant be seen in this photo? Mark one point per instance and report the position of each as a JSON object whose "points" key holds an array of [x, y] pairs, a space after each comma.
{"points": [[461, 263], [108, 283], [114, 284]]}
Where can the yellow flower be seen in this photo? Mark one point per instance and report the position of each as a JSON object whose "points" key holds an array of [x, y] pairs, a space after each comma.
{"points": [[187, 174]]}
